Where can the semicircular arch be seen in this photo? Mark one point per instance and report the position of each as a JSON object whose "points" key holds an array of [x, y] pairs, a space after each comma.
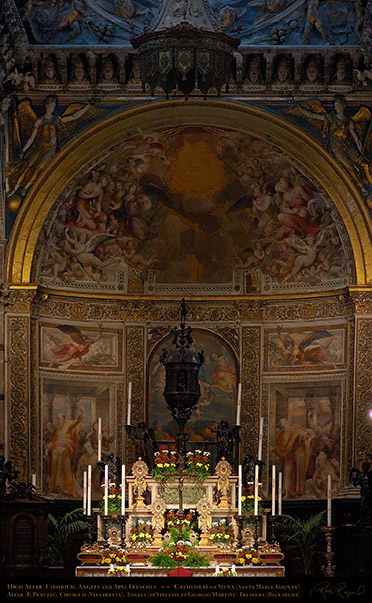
{"points": [[86, 148]]}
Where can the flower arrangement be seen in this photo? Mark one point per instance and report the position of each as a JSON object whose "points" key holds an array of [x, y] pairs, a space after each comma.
{"points": [[221, 532], [165, 464], [198, 464], [119, 571], [141, 533], [114, 498], [248, 556], [225, 572], [248, 499], [179, 544], [114, 556]]}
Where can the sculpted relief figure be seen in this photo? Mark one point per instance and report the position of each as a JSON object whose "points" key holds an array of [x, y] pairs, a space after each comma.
{"points": [[348, 137], [37, 139]]}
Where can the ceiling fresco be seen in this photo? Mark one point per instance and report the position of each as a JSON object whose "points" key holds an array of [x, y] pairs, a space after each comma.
{"points": [[256, 22], [193, 208]]}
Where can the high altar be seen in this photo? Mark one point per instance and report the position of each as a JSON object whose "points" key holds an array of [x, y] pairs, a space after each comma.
{"points": [[213, 501]]}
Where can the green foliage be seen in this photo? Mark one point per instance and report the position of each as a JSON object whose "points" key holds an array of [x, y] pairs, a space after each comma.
{"points": [[59, 530], [302, 536]]}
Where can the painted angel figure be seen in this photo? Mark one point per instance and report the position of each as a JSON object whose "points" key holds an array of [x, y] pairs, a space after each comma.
{"points": [[44, 133], [70, 346], [82, 249], [348, 137]]}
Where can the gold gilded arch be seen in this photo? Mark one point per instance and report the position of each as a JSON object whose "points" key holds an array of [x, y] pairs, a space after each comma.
{"points": [[86, 148]]}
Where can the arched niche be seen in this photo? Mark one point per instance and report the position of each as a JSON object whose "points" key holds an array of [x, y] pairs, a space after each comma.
{"points": [[86, 149]]}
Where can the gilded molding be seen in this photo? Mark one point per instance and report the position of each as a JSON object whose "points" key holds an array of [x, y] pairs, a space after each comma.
{"points": [[135, 371], [314, 309], [18, 391], [251, 388], [362, 301], [363, 388], [20, 300]]}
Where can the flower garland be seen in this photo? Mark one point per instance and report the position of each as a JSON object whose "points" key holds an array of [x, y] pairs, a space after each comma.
{"points": [[114, 498], [142, 532], [221, 532], [248, 499], [198, 464], [120, 571], [165, 465]]}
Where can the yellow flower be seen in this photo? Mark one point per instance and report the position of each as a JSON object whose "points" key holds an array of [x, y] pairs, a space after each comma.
{"points": [[227, 536], [160, 464], [255, 560], [243, 498], [134, 537], [199, 465], [166, 464]]}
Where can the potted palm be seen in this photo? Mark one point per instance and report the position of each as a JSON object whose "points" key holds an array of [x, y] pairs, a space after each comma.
{"points": [[59, 531], [302, 537]]}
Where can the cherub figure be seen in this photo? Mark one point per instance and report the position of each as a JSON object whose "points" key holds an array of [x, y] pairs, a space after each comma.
{"points": [[44, 134], [82, 248]]}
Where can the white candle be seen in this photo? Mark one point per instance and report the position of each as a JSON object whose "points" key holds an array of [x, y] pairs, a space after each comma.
{"points": [[129, 402], [33, 479], [89, 491], [256, 475], [106, 490], [99, 438], [123, 489], [240, 485], [273, 488], [84, 492], [260, 437], [217, 568], [239, 404], [280, 492], [329, 501]]}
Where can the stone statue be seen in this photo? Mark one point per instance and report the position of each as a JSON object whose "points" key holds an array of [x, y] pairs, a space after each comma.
{"points": [[6, 474]]}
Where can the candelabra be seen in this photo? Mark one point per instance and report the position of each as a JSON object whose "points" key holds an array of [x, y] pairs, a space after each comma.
{"points": [[329, 569]]}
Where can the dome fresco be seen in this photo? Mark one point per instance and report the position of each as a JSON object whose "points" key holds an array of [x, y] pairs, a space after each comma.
{"points": [[194, 205]]}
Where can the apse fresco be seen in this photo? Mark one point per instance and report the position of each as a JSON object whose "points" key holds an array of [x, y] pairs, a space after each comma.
{"points": [[71, 347], [194, 205], [218, 386], [258, 22], [304, 348], [305, 437], [70, 433]]}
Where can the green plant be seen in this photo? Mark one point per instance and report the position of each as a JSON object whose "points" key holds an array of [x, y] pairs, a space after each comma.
{"points": [[59, 530], [165, 465], [302, 536]]}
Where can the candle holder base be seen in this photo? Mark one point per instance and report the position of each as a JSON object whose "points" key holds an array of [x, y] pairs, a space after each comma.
{"points": [[329, 569]]}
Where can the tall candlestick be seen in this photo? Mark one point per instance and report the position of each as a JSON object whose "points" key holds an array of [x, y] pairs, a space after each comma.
{"points": [[260, 437], [240, 486], [280, 492], [239, 404], [89, 491], [123, 489], [329, 501], [99, 452], [84, 492], [273, 489], [256, 475], [129, 408], [106, 491]]}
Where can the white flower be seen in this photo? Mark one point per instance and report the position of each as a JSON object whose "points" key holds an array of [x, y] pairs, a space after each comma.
{"points": [[198, 451], [156, 453], [148, 522], [180, 542], [188, 453], [207, 453], [165, 451], [188, 542]]}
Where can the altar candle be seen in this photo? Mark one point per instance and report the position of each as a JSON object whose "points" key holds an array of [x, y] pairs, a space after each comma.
{"points": [[240, 485], [260, 437], [89, 490], [129, 402], [85, 492], [239, 404], [123, 489], [217, 568], [256, 473], [106, 489], [99, 438], [273, 489], [280, 492], [33, 479], [329, 501]]}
